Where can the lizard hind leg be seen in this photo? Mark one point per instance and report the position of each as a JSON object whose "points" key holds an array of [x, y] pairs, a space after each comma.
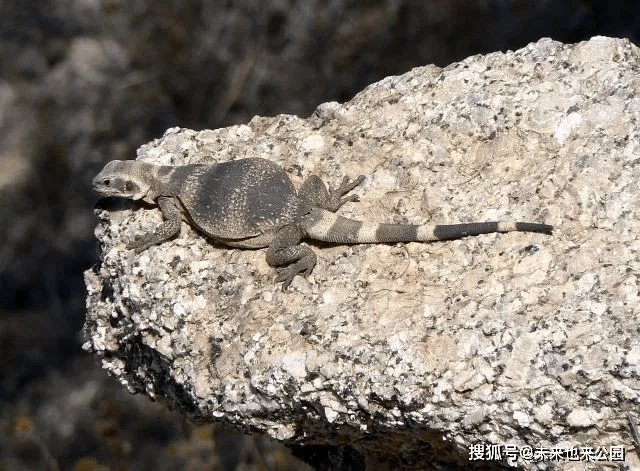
{"points": [[314, 190], [285, 249]]}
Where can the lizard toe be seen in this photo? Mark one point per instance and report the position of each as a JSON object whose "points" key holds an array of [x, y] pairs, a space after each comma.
{"points": [[286, 275]]}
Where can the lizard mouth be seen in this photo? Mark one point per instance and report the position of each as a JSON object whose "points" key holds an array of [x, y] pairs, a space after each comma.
{"points": [[98, 188]]}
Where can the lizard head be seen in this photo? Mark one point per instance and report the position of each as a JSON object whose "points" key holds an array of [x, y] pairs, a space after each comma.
{"points": [[123, 178]]}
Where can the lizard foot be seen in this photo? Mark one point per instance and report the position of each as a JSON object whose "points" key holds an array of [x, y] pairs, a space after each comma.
{"points": [[287, 274]]}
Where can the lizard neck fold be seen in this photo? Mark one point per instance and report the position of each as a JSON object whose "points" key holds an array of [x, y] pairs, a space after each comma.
{"points": [[159, 181]]}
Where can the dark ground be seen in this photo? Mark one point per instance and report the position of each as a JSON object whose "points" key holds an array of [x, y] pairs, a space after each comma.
{"points": [[83, 82]]}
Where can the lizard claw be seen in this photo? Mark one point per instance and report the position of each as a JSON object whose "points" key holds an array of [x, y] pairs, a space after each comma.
{"points": [[138, 245], [287, 274], [346, 187], [335, 194]]}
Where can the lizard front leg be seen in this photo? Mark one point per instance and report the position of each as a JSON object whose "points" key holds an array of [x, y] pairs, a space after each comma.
{"points": [[285, 249], [169, 228]]}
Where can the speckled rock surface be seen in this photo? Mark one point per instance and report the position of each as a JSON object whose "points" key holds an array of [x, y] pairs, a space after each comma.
{"points": [[405, 354]]}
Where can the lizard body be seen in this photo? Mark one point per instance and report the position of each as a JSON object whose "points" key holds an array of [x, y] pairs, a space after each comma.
{"points": [[252, 203]]}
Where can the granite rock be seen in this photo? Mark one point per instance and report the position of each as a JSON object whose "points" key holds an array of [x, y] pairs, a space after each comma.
{"points": [[399, 355]]}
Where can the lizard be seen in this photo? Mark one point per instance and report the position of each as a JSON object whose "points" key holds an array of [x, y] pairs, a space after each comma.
{"points": [[252, 203]]}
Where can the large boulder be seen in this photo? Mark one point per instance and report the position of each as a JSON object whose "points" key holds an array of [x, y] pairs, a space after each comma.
{"points": [[408, 354]]}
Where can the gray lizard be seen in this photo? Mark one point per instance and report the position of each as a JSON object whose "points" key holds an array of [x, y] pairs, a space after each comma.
{"points": [[252, 203]]}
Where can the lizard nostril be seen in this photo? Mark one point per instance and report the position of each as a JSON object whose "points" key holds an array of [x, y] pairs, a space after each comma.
{"points": [[106, 182]]}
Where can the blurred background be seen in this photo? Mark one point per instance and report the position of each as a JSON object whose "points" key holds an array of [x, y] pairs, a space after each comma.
{"points": [[83, 82]]}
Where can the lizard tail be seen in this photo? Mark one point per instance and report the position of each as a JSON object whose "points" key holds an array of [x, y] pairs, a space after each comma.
{"points": [[326, 226]]}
